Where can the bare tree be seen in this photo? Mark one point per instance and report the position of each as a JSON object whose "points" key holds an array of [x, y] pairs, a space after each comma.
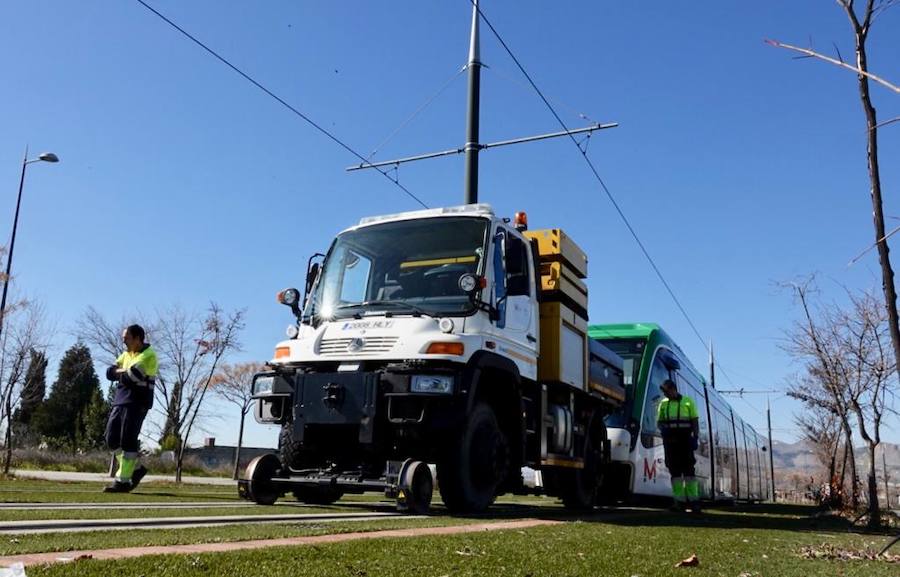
{"points": [[862, 334], [821, 387], [218, 337], [233, 383], [849, 366], [822, 431], [104, 337], [24, 332], [861, 21]]}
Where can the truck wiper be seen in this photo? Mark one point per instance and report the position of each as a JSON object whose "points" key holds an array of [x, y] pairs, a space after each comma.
{"points": [[401, 304]]}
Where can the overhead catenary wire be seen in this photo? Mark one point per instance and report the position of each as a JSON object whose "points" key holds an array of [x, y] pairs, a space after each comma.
{"points": [[277, 98], [571, 109], [596, 174], [603, 185], [416, 112]]}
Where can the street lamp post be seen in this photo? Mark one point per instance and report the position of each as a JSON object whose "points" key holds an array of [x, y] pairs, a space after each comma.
{"points": [[45, 157]]}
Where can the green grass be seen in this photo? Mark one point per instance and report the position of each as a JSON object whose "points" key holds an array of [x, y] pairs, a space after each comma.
{"points": [[42, 515], [759, 542], [38, 543], [18, 490]]}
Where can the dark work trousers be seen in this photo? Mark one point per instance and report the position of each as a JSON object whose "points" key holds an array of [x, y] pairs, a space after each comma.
{"points": [[679, 454], [124, 426]]}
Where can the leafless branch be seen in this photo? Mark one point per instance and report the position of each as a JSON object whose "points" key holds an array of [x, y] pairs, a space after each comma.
{"points": [[814, 54]]}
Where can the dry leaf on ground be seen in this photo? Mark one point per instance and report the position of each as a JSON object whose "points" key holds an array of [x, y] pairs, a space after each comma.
{"points": [[691, 561]]}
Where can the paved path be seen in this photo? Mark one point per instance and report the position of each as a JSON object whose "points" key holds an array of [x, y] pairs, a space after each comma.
{"points": [[104, 478], [46, 558]]}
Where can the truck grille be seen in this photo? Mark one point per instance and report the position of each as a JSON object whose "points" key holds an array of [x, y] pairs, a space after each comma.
{"points": [[369, 345]]}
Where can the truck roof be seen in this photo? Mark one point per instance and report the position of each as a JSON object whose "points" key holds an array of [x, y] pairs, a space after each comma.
{"points": [[481, 209]]}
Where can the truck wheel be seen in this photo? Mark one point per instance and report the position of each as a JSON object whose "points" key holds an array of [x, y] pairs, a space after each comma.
{"points": [[579, 487], [416, 488], [318, 495], [288, 450], [259, 473], [473, 468]]}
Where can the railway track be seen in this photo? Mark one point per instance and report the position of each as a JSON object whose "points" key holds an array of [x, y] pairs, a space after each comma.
{"points": [[73, 525], [122, 506]]}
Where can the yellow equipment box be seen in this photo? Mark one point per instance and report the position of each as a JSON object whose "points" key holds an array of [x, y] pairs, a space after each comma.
{"points": [[558, 279], [564, 346], [555, 245]]}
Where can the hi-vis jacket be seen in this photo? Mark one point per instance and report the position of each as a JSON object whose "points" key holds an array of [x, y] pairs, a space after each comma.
{"points": [[137, 379], [677, 416]]}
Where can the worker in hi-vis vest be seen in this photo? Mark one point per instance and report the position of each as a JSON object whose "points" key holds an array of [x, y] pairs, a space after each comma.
{"points": [[135, 372], [678, 421]]}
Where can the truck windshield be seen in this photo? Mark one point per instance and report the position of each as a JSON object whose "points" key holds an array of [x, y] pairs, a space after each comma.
{"points": [[406, 267], [631, 351]]}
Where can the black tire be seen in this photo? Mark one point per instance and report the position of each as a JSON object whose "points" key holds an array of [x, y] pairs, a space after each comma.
{"points": [[473, 468], [317, 495], [580, 487], [289, 451]]}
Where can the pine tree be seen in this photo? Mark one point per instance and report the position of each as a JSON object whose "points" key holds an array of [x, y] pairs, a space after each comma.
{"points": [[33, 391], [62, 417], [95, 417]]}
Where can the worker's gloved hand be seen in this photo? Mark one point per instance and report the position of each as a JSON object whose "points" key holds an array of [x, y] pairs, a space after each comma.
{"points": [[112, 373], [695, 443]]}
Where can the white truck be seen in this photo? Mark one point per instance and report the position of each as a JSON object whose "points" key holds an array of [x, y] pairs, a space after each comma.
{"points": [[446, 336]]}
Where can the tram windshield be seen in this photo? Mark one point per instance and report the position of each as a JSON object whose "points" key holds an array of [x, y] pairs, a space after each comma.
{"points": [[631, 351]]}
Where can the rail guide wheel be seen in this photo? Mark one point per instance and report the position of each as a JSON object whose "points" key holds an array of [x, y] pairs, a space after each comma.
{"points": [[258, 484], [415, 488]]}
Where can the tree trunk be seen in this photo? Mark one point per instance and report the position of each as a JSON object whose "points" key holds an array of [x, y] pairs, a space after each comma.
{"points": [[872, 490], [854, 486], [9, 422], [237, 450], [887, 491], [179, 459], [887, 273], [843, 473]]}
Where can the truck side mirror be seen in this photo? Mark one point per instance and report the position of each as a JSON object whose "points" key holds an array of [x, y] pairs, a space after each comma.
{"points": [[312, 273]]}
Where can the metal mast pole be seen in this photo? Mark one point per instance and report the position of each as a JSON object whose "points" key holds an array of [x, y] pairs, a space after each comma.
{"points": [[771, 448], [712, 366], [472, 147], [12, 244]]}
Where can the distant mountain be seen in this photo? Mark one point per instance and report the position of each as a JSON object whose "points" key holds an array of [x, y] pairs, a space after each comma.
{"points": [[798, 460]]}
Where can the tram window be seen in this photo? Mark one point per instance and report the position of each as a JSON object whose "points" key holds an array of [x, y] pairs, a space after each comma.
{"points": [[649, 432]]}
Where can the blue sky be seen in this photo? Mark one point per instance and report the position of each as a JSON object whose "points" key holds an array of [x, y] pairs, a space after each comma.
{"points": [[181, 183]]}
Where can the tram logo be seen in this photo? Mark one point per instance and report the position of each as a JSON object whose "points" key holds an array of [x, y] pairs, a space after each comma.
{"points": [[649, 470]]}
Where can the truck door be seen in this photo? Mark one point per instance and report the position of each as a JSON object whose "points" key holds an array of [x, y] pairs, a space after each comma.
{"points": [[516, 303]]}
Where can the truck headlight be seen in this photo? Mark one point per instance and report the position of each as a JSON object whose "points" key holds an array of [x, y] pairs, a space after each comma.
{"points": [[431, 384], [263, 385]]}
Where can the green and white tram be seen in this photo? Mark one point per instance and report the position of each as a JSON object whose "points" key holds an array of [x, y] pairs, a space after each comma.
{"points": [[732, 458]]}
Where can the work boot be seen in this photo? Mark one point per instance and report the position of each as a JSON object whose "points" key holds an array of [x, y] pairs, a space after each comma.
{"points": [[137, 476], [118, 487], [676, 507]]}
